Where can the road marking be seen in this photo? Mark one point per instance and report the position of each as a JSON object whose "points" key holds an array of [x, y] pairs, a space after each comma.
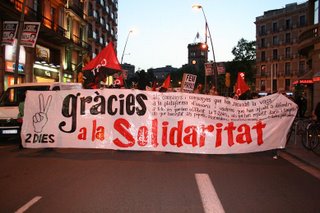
{"points": [[210, 200], [26, 206], [310, 169]]}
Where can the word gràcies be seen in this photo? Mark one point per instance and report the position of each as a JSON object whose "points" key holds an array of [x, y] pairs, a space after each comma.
{"points": [[99, 105]]}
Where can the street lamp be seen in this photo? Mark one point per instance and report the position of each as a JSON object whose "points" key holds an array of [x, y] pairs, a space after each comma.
{"points": [[124, 49], [207, 30], [20, 29]]}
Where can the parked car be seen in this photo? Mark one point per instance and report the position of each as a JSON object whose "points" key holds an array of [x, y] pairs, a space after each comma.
{"points": [[11, 98]]}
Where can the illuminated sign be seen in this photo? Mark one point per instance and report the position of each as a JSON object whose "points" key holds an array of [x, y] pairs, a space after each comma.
{"points": [[304, 81], [316, 79]]}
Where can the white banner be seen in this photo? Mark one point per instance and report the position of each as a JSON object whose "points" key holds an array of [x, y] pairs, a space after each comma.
{"points": [[153, 121]]}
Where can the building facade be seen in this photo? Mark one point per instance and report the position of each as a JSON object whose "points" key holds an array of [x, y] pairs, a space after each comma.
{"points": [[279, 64], [197, 54], [71, 32], [161, 73], [309, 47]]}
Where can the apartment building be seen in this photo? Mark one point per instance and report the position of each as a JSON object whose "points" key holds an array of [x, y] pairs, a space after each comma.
{"points": [[280, 66], [309, 47], [71, 32]]}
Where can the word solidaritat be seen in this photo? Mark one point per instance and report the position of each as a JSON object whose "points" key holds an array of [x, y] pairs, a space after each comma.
{"points": [[176, 135]]}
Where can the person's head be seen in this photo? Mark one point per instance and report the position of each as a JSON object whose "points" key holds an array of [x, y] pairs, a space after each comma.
{"points": [[163, 89]]}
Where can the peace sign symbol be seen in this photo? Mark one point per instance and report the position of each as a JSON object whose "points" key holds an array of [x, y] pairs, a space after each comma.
{"points": [[40, 118]]}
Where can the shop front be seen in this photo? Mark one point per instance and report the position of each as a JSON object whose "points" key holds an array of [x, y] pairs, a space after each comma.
{"points": [[303, 88], [9, 68], [43, 69], [45, 73]]}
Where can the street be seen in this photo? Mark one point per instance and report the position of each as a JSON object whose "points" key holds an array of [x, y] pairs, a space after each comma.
{"points": [[96, 180]]}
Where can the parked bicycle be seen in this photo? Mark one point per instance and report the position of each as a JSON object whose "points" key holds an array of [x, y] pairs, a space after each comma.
{"points": [[312, 137]]}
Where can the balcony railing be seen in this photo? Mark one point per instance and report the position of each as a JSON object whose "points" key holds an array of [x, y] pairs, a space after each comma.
{"points": [[77, 9], [311, 33]]}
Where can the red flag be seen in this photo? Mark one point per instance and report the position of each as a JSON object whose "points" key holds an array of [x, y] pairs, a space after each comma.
{"points": [[154, 86], [241, 86], [166, 83], [104, 64], [119, 81], [106, 58]]}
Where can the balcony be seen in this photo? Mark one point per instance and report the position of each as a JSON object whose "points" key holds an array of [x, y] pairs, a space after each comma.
{"points": [[49, 30], [76, 9], [308, 39]]}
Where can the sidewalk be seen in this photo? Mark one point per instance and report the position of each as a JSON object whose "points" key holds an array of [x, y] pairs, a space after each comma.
{"points": [[295, 149]]}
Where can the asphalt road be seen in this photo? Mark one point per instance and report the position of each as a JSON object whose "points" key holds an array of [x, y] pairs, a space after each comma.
{"points": [[82, 180]]}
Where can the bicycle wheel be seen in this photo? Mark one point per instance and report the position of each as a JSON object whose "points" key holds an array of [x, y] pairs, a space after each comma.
{"points": [[312, 137], [316, 148]]}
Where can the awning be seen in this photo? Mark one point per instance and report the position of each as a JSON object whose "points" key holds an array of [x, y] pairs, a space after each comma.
{"points": [[316, 77], [306, 78]]}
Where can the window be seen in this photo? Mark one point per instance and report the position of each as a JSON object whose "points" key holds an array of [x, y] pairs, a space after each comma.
{"points": [[274, 70], [288, 52], [95, 14], [35, 6], [275, 40], [263, 85], [263, 56], [288, 38], [263, 70], [274, 85], [275, 54], [287, 84], [301, 67], [287, 69], [263, 30], [275, 27], [263, 42], [302, 21], [288, 24], [53, 16], [13, 96], [316, 12]]}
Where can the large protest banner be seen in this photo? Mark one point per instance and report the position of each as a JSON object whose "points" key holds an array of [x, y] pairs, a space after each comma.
{"points": [[153, 121]]}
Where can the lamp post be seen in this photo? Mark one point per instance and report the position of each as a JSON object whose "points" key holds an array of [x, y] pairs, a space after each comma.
{"points": [[125, 45], [20, 29], [207, 30]]}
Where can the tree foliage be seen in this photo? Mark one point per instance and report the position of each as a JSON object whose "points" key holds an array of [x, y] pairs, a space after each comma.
{"points": [[244, 61], [244, 51]]}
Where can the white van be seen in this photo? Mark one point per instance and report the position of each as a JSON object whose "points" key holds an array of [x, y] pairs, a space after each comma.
{"points": [[9, 103]]}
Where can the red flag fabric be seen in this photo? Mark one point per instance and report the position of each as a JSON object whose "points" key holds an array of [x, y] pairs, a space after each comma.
{"points": [[241, 86], [104, 64], [106, 58], [166, 83], [119, 81], [154, 86]]}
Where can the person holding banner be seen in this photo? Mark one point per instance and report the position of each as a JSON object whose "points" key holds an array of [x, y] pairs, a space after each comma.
{"points": [[21, 114], [199, 89], [213, 91], [316, 112]]}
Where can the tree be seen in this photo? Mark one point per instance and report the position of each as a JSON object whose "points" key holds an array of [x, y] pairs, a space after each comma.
{"points": [[245, 50], [244, 61]]}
